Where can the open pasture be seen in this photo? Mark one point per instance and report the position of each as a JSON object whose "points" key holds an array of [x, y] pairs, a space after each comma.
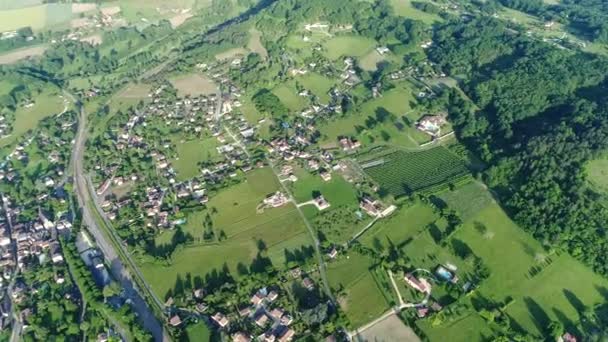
{"points": [[402, 172], [351, 46], [276, 232], [191, 153], [405, 8], [193, 85]]}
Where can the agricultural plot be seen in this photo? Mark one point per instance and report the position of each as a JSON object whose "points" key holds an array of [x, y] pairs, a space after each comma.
{"points": [[36, 17], [255, 43], [401, 173], [20, 54], [389, 329], [191, 153], [468, 199], [362, 298], [288, 95], [233, 212], [352, 46], [193, 85]]}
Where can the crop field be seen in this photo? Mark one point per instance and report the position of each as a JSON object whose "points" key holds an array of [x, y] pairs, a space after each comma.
{"points": [[352, 46], [233, 211], [403, 172], [191, 153], [364, 300], [404, 8], [37, 17], [389, 329], [468, 199], [554, 293], [193, 85], [17, 55]]}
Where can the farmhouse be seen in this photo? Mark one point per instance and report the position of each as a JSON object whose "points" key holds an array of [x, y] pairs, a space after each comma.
{"points": [[421, 284], [431, 124]]}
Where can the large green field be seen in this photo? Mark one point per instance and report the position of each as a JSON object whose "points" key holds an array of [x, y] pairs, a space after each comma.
{"points": [[402, 172], [510, 253], [351, 46], [404, 8], [36, 17], [395, 127], [233, 211], [46, 104], [364, 299], [319, 85], [191, 153]]}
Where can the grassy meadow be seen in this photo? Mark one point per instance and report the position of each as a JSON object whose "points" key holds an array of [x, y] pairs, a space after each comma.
{"points": [[191, 153], [233, 211]]}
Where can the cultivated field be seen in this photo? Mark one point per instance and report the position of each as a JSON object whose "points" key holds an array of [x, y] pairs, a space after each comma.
{"points": [[255, 44], [193, 85], [17, 55], [388, 330], [351, 46], [363, 299], [37, 17], [280, 230], [402, 173]]}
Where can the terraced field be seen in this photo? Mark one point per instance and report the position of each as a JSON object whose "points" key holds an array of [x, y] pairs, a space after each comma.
{"points": [[402, 172]]}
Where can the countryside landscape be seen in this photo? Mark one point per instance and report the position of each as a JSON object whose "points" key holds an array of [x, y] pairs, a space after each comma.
{"points": [[304, 170]]}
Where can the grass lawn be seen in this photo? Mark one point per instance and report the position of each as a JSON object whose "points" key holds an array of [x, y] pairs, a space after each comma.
{"points": [[404, 8], [191, 153], [289, 96], [469, 328], [198, 332], [597, 173], [509, 252], [395, 130], [363, 300], [370, 61], [403, 225], [318, 85], [468, 199], [193, 84], [36, 17], [280, 229], [46, 104], [337, 191], [352, 46]]}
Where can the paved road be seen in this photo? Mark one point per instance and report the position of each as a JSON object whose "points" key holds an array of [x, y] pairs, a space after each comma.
{"points": [[117, 268], [17, 325]]}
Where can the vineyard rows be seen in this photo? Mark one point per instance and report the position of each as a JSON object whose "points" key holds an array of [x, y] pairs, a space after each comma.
{"points": [[406, 172]]}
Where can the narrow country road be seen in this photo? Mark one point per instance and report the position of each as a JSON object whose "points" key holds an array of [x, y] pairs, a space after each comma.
{"points": [[118, 270]]}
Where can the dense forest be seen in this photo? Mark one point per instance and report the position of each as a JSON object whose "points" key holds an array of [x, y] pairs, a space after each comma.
{"points": [[542, 115]]}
